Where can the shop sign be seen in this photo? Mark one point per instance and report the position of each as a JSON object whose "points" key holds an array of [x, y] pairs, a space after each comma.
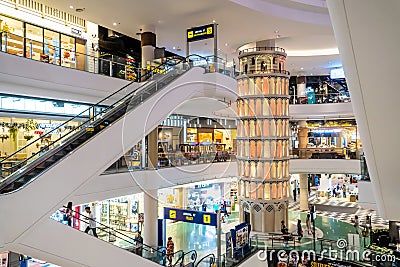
{"points": [[200, 33], [76, 31], [200, 186], [190, 216]]}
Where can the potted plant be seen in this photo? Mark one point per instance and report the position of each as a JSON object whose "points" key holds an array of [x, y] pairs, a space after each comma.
{"points": [[13, 130], [30, 125]]}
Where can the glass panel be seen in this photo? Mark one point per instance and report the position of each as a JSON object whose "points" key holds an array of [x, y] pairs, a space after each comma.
{"points": [[51, 47], [12, 41], [68, 51], [34, 42]]}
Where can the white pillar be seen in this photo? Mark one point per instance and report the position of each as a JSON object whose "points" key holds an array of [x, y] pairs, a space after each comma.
{"points": [[148, 39], [303, 191], [150, 198]]}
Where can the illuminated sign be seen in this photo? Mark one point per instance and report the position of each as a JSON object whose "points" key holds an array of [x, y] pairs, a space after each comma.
{"points": [[200, 33], [191, 216], [337, 73]]}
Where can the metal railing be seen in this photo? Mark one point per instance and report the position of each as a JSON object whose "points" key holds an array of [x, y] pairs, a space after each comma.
{"points": [[97, 120], [263, 48], [123, 240], [325, 153]]}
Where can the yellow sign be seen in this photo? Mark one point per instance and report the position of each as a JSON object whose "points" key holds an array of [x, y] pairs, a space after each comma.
{"points": [[172, 214], [206, 218], [190, 34], [209, 30], [200, 33]]}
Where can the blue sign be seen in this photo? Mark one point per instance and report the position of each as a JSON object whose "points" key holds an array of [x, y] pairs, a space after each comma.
{"points": [[191, 216]]}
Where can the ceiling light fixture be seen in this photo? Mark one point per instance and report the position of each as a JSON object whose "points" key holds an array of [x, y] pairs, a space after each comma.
{"points": [[71, 7], [302, 68], [80, 9], [214, 21], [226, 44], [115, 24], [174, 47]]}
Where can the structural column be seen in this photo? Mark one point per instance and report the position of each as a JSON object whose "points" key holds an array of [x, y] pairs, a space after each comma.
{"points": [[150, 234], [301, 87], [148, 42], [303, 191], [152, 149], [302, 136]]}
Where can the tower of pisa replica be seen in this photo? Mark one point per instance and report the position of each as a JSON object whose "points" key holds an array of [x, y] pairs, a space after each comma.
{"points": [[263, 138]]}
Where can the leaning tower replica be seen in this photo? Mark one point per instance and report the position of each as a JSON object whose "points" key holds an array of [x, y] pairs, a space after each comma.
{"points": [[263, 138]]}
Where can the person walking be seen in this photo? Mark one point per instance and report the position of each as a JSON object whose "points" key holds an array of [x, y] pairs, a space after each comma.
{"points": [[299, 230], [294, 195], [308, 224], [139, 243], [170, 250], [284, 229], [91, 222], [356, 224]]}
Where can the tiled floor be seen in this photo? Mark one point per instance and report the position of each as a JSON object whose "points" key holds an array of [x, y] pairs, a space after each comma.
{"points": [[345, 214]]}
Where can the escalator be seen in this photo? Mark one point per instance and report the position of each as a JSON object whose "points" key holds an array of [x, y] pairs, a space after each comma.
{"points": [[22, 172], [33, 188], [71, 246]]}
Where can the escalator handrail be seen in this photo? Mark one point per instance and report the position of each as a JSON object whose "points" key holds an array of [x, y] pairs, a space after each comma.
{"points": [[111, 230], [211, 256], [78, 116], [181, 259], [87, 123]]}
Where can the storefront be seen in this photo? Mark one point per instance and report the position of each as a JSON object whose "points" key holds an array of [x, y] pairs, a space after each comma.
{"points": [[38, 43]]}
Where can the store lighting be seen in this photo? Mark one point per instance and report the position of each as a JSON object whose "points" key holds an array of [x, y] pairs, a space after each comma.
{"points": [[114, 23], [71, 7]]}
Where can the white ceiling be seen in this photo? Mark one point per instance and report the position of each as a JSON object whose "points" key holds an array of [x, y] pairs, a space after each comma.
{"points": [[303, 25]]}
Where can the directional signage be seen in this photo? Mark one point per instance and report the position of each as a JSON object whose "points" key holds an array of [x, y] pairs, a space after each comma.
{"points": [[200, 33], [191, 216]]}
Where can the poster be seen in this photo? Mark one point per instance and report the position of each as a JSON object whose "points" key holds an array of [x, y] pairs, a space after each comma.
{"points": [[242, 235], [4, 259]]}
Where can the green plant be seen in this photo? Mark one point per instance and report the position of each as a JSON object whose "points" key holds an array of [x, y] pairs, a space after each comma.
{"points": [[28, 136], [13, 130], [3, 137], [30, 125]]}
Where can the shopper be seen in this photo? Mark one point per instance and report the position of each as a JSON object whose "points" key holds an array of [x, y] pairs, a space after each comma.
{"points": [[308, 224], [170, 250], [139, 243], [284, 229], [68, 214], [294, 195], [299, 230], [204, 206], [91, 222]]}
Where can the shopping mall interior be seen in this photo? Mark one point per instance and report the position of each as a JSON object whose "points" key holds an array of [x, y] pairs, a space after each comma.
{"points": [[199, 133]]}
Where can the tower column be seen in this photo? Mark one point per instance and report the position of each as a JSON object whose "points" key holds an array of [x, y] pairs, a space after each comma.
{"points": [[263, 137]]}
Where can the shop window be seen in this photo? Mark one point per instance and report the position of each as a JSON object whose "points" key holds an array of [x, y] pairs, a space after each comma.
{"points": [[12, 40], [68, 51], [51, 47], [34, 42]]}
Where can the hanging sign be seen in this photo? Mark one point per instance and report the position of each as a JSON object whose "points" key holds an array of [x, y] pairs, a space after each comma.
{"points": [[191, 216], [200, 33]]}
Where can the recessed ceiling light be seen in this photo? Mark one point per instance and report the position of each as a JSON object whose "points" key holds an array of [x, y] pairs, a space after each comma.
{"points": [[302, 68], [71, 7], [226, 44], [174, 47], [214, 21], [114, 23]]}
